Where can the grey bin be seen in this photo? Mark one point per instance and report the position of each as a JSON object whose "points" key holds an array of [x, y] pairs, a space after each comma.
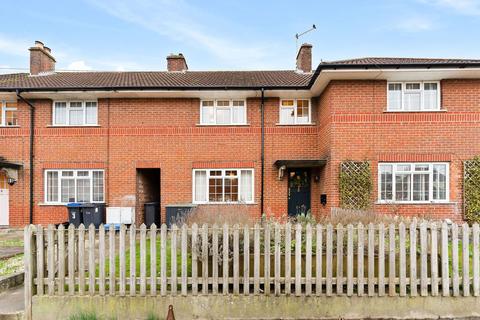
{"points": [[176, 213], [152, 213], [93, 213], [75, 215]]}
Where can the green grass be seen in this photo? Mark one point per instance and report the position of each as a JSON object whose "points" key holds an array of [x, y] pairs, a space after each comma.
{"points": [[7, 243], [11, 265], [148, 257], [84, 316]]}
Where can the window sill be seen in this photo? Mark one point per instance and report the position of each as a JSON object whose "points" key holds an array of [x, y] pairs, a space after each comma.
{"points": [[17, 126], [222, 125], [415, 111], [413, 203], [75, 126], [296, 124], [44, 204]]}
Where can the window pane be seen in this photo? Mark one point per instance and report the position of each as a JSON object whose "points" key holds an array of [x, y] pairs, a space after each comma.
{"points": [[246, 193], [412, 101], [224, 115], [421, 167], [11, 118], [67, 189], [430, 96], [231, 189], [412, 86], [208, 114], [76, 113], [402, 186], [91, 112], [83, 190], [52, 186], [223, 103], [287, 103], [395, 96], [200, 185], [98, 186], [386, 185], [60, 113], [439, 182], [420, 187], [287, 115], [239, 112], [215, 189], [403, 167], [302, 111]]}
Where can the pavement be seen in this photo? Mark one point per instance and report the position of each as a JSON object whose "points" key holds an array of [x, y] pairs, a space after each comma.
{"points": [[12, 301]]}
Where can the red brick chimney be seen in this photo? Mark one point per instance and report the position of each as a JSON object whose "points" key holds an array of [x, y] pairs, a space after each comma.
{"points": [[304, 58], [41, 59], [176, 63]]}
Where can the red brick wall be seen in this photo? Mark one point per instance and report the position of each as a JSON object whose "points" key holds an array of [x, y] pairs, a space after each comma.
{"points": [[349, 118]]}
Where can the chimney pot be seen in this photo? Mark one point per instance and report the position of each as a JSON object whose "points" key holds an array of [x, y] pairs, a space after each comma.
{"points": [[304, 58], [41, 59], [176, 63]]}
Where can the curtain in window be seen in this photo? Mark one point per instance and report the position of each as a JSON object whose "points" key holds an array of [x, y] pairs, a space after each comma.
{"points": [[439, 182], [238, 115], [83, 190], [200, 186], [98, 186], [413, 96], [246, 182], [386, 185], [60, 113], [420, 187], [208, 112], [76, 113], [52, 186], [395, 96], [91, 113], [402, 187], [430, 96], [67, 188]]}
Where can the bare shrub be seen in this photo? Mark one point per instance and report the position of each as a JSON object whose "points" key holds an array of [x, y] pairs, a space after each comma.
{"points": [[350, 216], [229, 214]]}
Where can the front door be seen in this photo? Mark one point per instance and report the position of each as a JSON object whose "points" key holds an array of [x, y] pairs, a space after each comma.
{"points": [[3, 200], [298, 191]]}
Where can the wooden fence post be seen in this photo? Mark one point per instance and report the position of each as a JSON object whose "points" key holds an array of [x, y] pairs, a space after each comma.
{"points": [[402, 259], [360, 260], [349, 260], [339, 282], [61, 259], [476, 260], [133, 259], [153, 259], [445, 262], [29, 276]]}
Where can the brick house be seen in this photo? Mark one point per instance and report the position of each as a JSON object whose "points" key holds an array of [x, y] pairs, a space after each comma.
{"points": [[272, 140]]}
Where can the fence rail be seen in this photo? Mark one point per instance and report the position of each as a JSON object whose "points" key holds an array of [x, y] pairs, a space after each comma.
{"points": [[421, 259]]}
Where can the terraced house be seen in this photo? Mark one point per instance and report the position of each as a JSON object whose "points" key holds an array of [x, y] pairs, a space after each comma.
{"points": [[275, 141]]}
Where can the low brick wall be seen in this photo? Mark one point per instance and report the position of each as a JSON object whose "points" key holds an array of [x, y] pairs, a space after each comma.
{"points": [[258, 307]]}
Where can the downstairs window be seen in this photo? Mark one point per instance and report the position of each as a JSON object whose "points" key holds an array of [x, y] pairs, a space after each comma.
{"points": [[223, 186], [65, 186], [413, 182]]}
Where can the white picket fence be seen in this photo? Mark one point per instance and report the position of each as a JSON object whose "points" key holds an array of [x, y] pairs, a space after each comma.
{"points": [[422, 259]]}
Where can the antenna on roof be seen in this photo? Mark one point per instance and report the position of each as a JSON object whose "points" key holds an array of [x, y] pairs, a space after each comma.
{"points": [[298, 35]]}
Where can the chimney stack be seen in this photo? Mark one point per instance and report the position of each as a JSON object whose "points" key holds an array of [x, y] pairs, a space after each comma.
{"points": [[41, 59], [176, 63], [304, 58]]}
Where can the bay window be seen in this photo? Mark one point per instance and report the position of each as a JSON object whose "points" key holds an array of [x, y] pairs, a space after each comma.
{"points": [[8, 114], [223, 112], [295, 111], [413, 96], [413, 182], [65, 186], [223, 185], [75, 113]]}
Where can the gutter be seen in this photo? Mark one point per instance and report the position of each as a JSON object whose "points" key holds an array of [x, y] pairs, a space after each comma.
{"points": [[32, 128]]}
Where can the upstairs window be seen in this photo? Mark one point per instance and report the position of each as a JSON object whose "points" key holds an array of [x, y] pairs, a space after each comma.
{"points": [[8, 114], [295, 111], [223, 112], [223, 186], [413, 182], [75, 113], [413, 96], [65, 186]]}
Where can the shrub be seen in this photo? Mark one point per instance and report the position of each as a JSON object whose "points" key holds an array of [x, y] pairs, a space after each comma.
{"points": [[229, 214], [472, 190]]}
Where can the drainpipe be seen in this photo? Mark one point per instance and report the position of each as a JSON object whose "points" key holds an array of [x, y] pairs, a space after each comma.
{"points": [[262, 108], [32, 128]]}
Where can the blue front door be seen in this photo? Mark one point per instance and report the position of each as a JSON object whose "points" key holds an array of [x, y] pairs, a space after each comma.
{"points": [[298, 191]]}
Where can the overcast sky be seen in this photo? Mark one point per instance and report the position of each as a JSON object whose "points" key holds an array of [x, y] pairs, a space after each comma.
{"points": [[233, 35]]}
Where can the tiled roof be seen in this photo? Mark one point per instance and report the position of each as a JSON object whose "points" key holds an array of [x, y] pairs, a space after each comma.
{"points": [[174, 80], [399, 61]]}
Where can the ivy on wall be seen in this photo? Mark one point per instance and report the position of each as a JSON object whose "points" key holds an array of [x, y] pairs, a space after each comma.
{"points": [[355, 185], [472, 189]]}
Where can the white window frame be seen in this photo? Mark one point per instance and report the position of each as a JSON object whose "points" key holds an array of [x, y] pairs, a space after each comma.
{"points": [[3, 111], [412, 171], [203, 123], [223, 190], [75, 176], [295, 117], [422, 99], [67, 116]]}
